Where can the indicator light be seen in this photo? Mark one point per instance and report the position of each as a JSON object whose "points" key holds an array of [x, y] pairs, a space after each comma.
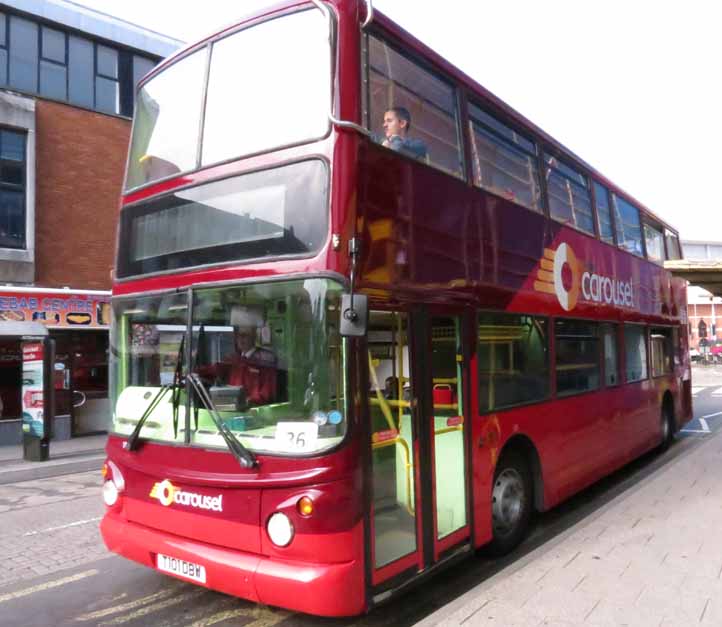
{"points": [[305, 506]]}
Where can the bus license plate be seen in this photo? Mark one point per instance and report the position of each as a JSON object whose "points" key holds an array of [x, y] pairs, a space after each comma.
{"points": [[181, 568]]}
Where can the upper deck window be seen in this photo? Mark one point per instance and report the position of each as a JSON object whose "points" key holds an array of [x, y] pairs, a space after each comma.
{"points": [[673, 251], [167, 121], [257, 99], [569, 198], [260, 98], [604, 213], [396, 82], [504, 161], [629, 229], [654, 242]]}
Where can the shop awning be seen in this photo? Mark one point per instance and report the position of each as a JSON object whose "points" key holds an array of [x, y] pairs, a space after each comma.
{"points": [[11, 328], [706, 274]]}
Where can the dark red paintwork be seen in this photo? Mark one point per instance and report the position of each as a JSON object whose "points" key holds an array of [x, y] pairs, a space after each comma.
{"points": [[452, 248]]}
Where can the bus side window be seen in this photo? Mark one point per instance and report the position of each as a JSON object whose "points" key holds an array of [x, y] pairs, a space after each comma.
{"points": [[396, 82]]}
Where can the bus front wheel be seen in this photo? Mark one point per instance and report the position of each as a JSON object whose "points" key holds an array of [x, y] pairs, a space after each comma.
{"points": [[511, 503]]}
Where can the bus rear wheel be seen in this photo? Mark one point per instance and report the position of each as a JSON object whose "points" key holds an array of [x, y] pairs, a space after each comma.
{"points": [[511, 503]]}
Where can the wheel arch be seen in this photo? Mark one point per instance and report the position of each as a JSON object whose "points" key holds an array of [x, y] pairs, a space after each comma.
{"points": [[525, 447]]}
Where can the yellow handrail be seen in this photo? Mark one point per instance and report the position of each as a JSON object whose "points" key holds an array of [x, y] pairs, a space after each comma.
{"points": [[399, 440], [383, 403]]}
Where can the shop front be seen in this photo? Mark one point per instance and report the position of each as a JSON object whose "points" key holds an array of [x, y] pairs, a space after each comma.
{"points": [[76, 323]]}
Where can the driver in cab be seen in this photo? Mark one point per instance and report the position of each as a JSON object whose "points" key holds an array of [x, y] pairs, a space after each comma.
{"points": [[250, 366]]}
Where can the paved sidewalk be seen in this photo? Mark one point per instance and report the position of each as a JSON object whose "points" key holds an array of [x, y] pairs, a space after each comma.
{"points": [[66, 457], [651, 556]]}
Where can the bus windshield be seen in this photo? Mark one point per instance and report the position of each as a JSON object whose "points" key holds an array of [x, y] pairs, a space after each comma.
{"points": [[269, 356], [267, 86]]}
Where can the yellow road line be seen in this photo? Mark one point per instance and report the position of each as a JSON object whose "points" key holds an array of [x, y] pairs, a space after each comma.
{"points": [[131, 605], [218, 617], [46, 586], [267, 618], [264, 617], [155, 607]]}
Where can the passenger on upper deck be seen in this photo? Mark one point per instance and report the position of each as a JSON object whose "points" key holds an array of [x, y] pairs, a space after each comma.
{"points": [[397, 122]]}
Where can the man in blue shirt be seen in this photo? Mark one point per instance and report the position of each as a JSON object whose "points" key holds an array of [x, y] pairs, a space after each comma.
{"points": [[397, 122]]}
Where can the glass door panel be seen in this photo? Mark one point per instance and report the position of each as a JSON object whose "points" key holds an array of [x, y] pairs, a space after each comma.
{"points": [[447, 366], [392, 438]]}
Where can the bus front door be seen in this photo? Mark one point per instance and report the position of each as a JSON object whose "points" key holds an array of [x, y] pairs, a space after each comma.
{"points": [[444, 415], [419, 512]]}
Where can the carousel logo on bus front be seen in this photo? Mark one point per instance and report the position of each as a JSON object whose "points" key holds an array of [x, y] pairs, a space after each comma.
{"points": [[167, 494], [563, 274]]}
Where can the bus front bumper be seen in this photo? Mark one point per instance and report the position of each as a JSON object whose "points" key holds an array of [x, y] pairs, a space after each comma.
{"points": [[320, 589]]}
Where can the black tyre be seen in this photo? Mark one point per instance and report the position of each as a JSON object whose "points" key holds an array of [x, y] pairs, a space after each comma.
{"points": [[668, 426], [511, 503]]}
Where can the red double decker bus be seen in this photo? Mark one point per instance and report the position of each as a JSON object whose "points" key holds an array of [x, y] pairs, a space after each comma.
{"points": [[367, 317]]}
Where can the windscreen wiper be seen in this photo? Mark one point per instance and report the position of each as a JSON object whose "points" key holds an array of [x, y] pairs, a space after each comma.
{"points": [[132, 441], [240, 452], [177, 378]]}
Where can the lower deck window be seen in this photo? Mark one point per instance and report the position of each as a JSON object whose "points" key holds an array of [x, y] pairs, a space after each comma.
{"points": [[577, 356], [513, 360], [660, 350], [635, 349]]}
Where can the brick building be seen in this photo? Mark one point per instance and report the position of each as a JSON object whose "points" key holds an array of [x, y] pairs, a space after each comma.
{"points": [[67, 79]]}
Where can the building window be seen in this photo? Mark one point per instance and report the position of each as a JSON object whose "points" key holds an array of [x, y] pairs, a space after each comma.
{"points": [[141, 67], [53, 63], [23, 54], [107, 93], [12, 189], [3, 49]]}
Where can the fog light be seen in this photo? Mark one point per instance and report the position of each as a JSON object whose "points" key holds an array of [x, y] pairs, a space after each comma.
{"points": [[280, 529], [110, 493]]}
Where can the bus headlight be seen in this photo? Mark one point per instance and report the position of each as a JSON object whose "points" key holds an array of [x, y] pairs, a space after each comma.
{"points": [[280, 529], [114, 483], [110, 493]]}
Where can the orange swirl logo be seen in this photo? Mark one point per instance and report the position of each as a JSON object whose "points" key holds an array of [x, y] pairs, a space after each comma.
{"points": [[560, 273], [164, 492]]}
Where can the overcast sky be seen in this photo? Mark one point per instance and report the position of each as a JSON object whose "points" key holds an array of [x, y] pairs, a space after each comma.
{"points": [[634, 87]]}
